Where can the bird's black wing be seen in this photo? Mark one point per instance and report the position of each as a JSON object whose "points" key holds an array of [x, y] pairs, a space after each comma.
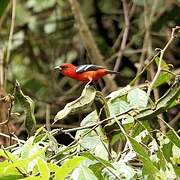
{"points": [[88, 67]]}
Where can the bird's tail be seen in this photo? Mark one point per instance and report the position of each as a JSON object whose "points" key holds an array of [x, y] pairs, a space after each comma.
{"points": [[112, 72]]}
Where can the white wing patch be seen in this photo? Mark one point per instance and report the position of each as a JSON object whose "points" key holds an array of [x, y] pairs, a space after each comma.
{"points": [[87, 67]]}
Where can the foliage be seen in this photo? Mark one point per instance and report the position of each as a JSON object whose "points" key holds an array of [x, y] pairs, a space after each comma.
{"points": [[146, 153], [129, 130]]}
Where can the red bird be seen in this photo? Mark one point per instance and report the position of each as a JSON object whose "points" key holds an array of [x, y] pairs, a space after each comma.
{"points": [[84, 73]]}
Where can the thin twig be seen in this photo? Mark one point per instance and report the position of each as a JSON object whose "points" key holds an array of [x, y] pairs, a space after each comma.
{"points": [[89, 42], [162, 51], [11, 31], [48, 113], [13, 138], [125, 36], [59, 131], [8, 99]]}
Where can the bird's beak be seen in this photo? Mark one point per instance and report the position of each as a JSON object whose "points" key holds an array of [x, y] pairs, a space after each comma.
{"points": [[57, 67]]}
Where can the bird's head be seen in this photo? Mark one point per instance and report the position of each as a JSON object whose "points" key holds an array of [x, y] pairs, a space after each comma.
{"points": [[65, 67]]}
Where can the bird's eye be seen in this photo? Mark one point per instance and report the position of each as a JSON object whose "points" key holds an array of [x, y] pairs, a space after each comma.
{"points": [[63, 67]]}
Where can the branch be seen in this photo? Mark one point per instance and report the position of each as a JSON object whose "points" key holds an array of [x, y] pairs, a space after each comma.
{"points": [[59, 131], [125, 36], [89, 42], [11, 31], [162, 51]]}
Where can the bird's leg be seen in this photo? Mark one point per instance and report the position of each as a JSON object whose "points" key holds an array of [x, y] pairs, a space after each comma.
{"points": [[89, 82]]}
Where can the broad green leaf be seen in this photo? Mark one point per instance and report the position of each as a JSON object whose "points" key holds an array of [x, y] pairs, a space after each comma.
{"points": [[32, 178], [162, 103], [12, 171], [3, 6], [137, 98], [125, 171], [118, 106], [24, 163], [164, 77], [8, 155], [172, 94], [89, 119], [52, 167], [83, 173], [172, 135], [67, 167], [28, 106], [141, 135], [97, 169], [40, 134], [11, 177], [138, 148], [119, 93], [27, 147], [143, 155], [94, 143], [43, 169], [84, 101], [167, 173], [128, 122], [96, 158], [176, 155]]}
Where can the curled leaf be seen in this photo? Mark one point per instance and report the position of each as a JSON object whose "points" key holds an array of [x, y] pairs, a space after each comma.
{"points": [[28, 106], [78, 105]]}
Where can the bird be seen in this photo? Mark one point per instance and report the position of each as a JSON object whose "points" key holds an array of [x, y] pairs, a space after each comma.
{"points": [[85, 73]]}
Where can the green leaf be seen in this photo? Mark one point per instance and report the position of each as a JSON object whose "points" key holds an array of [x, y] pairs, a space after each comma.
{"points": [[137, 98], [52, 167], [11, 177], [32, 178], [89, 119], [118, 106], [24, 163], [119, 93], [84, 101], [97, 169], [172, 135], [27, 148], [7, 155], [164, 77], [83, 173], [94, 143], [95, 158], [143, 155], [126, 171], [11, 172], [138, 148], [43, 169], [28, 106], [3, 6], [176, 155], [162, 103], [67, 167]]}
